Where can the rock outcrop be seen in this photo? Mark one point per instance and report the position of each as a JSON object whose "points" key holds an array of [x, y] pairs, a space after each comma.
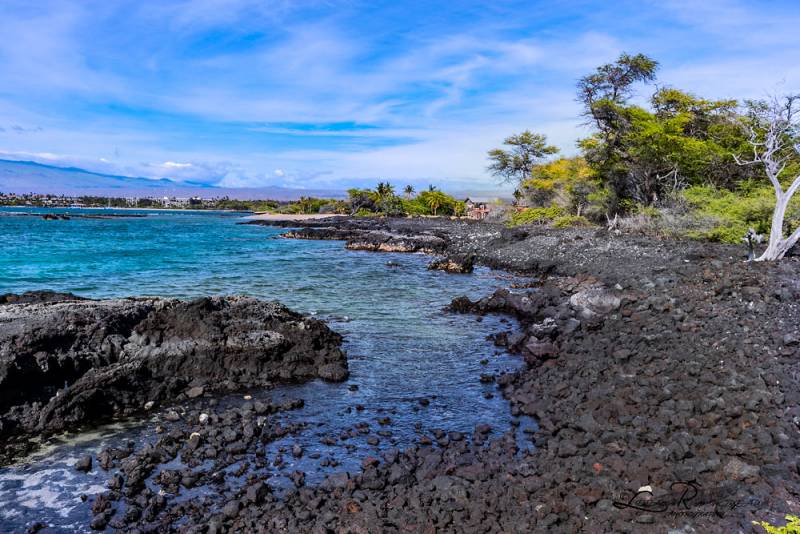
{"points": [[66, 362], [459, 264]]}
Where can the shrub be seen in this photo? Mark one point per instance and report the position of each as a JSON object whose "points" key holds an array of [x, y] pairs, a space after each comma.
{"points": [[305, 205], [597, 203], [335, 206], [731, 214], [568, 221], [415, 207], [652, 225], [392, 206], [536, 215], [366, 213], [565, 182], [792, 527], [648, 211]]}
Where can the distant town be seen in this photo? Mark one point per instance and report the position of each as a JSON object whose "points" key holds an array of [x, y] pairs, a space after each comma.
{"points": [[165, 202], [363, 202]]}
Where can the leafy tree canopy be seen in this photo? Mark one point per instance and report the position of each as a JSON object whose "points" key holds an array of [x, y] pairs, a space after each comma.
{"points": [[647, 155], [525, 150]]}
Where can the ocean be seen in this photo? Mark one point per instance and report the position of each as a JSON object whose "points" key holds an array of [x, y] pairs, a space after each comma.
{"points": [[401, 344]]}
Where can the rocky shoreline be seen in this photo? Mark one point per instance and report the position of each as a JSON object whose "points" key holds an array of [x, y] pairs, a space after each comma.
{"points": [[664, 375], [67, 362]]}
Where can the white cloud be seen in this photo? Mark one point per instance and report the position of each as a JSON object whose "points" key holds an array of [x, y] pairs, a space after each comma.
{"points": [[175, 165], [440, 99]]}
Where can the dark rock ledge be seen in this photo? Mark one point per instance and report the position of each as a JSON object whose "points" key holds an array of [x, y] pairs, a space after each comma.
{"points": [[67, 362]]}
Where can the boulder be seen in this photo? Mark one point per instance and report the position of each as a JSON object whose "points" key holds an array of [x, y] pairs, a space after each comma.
{"points": [[454, 264], [595, 301]]}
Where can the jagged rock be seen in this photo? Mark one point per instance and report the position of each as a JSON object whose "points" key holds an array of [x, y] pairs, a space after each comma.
{"points": [[454, 264], [67, 362]]}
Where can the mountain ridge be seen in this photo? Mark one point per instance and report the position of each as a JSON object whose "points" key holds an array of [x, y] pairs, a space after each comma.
{"points": [[22, 177]]}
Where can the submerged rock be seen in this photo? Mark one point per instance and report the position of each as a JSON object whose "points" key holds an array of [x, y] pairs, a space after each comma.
{"points": [[84, 464], [454, 264], [67, 362]]}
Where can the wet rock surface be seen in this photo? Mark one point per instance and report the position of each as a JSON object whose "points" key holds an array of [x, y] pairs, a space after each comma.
{"points": [[463, 264], [375, 236], [535, 250], [67, 362], [664, 375]]}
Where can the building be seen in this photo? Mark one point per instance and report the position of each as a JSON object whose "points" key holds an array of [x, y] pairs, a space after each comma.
{"points": [[521, 204], [476, 210]]}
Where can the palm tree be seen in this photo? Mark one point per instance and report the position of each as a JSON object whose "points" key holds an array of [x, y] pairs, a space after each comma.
{"points": [[409, 191], [384, 191], [435, 200], [431, 188], [304, 204]]}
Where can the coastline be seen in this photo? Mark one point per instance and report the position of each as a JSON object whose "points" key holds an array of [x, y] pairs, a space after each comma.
{"points": [[637, 395], [636, 373], [103, 208]]}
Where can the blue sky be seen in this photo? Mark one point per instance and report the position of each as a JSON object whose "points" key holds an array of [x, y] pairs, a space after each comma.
{"points": [[326, 94]]}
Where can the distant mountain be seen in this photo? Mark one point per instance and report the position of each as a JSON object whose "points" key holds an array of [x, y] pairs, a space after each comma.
{"points": [[30, 177]]}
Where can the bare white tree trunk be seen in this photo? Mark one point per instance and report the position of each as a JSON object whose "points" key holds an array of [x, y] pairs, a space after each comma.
{"points": [[773, 139], [777, 246]]}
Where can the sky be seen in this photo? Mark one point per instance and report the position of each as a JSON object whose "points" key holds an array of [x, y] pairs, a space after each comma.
{"points": [[329, 94]]}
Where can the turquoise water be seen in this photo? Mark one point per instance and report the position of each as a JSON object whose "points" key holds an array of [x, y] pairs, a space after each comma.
{"points": [[401, 344]]}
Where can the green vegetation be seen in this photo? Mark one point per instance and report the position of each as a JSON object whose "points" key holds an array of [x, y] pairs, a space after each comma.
{"points": [[731, 213], [307, 205], [383, 201], [568, 221], [536, 215], [671, 167], [792, 526], [246, 205], [569, 183], [516, 163]]}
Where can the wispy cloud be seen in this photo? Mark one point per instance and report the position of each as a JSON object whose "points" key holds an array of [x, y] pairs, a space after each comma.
{"points": [[320, 93]]}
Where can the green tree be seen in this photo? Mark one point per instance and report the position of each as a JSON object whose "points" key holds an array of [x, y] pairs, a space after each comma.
{"points": [[384, 191], [409, 191], [304, 204], [361, 199], [565, 182], [434, 200], [604, 95], [525, 150], [612, 83], [645, 155]]}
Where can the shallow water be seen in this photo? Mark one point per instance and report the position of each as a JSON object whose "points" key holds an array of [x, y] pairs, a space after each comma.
{"points": [[401, 345]]}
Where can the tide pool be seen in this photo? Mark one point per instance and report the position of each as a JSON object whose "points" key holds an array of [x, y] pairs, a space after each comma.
{"points": [[400, 343]]}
